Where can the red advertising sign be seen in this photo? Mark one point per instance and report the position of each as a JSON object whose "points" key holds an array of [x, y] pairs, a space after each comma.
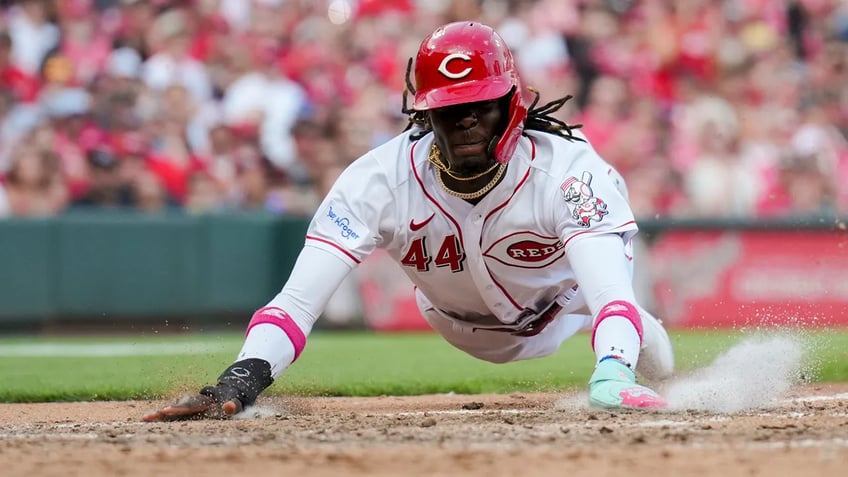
{"points": [[743, 278]]}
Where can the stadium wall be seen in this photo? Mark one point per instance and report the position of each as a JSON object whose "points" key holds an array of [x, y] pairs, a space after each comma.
{"points": [[135, 267]]}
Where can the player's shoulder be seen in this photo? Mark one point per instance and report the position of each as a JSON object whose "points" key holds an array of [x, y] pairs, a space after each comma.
{"points": [[558, 156]]}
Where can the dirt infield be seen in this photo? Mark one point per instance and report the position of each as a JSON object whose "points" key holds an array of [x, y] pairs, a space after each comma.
{"points": [[805, 433]]}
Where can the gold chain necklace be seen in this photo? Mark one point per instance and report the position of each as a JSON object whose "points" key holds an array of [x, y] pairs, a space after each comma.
{"points": [[435, 158], [472, 195]]}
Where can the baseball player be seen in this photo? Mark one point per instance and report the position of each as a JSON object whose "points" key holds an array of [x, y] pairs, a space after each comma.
{"points": [[514, 231]]}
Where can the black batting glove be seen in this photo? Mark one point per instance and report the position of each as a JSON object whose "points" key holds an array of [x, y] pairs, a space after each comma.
{"points": [[238, 386], [243, 381]]}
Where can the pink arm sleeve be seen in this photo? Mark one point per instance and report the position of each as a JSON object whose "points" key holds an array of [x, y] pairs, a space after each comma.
{"points": [[277, 332], [315, 277]]}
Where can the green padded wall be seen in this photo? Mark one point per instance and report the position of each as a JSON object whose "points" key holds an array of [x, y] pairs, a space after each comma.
{"points": [[120, 265], [28, 255], [129, 265]]}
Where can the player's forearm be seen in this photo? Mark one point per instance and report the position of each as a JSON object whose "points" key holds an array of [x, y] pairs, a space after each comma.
{"points": [[604, 275], [277, 332], [602, 271]]}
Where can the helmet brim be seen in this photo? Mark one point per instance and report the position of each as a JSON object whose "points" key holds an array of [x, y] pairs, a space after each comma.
{"points": [[460, 93]]}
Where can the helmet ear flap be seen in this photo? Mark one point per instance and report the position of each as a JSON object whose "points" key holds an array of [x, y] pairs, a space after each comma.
{"points": [[514, 127], [505, 105]]}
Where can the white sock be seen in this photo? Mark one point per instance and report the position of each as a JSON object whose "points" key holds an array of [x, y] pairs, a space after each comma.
{"points": [[617, 336]]}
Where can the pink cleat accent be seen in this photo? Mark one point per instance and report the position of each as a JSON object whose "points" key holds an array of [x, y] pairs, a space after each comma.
{"points": [[642, 397]]}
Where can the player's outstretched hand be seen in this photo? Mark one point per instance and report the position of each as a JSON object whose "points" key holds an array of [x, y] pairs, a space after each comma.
{"points": [[237, 388], [212, 402]]}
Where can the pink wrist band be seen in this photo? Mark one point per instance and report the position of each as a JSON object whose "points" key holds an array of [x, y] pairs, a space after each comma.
{"points": [[619, 308], [279, 318]]}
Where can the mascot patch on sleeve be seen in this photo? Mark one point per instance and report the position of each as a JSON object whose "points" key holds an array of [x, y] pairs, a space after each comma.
{"points": [[585, 207]]}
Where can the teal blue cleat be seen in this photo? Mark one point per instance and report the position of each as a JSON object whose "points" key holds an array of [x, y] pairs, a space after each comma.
{"points": [[613, 386]]}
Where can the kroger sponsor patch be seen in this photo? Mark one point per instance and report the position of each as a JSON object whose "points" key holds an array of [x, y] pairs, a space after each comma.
{"points": [[339, 224]]}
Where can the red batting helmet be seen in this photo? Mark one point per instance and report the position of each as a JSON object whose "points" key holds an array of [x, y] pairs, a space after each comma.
{"points": [[466, 62]]}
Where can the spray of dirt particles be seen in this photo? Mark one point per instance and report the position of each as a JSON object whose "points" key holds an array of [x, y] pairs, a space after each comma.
{"points": [[754, 373], [751, 374]]}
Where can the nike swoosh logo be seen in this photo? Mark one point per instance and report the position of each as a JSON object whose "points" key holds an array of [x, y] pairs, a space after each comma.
{"points": [[413, 226]]}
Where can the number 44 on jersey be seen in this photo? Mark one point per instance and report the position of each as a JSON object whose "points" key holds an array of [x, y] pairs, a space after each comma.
{"points": [[450, 254]]}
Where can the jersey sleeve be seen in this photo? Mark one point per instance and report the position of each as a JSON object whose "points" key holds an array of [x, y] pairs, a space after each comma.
{"points": [[591, 199], [355, 216]]}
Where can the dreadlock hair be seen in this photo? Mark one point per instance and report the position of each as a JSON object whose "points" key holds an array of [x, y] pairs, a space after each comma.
{"points": [[416, 118], [538, 119]]}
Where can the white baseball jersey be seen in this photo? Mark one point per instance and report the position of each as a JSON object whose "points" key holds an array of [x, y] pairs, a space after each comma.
{"points": [[496, 264]]}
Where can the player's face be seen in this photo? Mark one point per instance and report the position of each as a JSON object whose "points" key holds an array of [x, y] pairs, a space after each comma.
{"points": [[463, 133]]}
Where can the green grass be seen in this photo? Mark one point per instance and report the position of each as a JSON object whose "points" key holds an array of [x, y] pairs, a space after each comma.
{"points": [[340, 364]]}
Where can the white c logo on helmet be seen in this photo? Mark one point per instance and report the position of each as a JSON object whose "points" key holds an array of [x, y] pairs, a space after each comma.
{"points": [[443, 68]]}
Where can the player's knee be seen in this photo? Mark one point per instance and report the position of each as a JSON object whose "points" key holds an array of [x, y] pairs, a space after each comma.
{"points": [[656, 361]]}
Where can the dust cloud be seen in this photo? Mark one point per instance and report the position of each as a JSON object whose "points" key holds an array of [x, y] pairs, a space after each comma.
{"points": [[754, 373]]}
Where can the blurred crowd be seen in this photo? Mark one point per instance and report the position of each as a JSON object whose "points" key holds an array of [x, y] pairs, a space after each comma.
{"points": [[709, 108]]}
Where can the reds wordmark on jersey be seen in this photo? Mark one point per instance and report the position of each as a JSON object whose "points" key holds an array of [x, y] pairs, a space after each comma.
{"points": [[492, 264]]}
